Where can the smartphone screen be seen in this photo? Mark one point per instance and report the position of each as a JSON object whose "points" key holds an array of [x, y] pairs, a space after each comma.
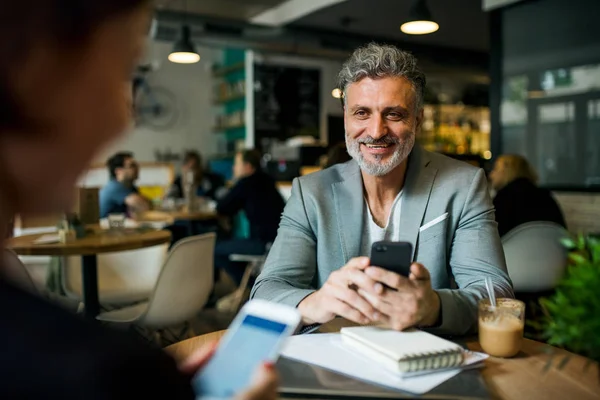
{"points": [[255, 341]]}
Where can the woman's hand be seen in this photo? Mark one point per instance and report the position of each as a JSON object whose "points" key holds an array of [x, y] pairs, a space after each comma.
{"points": [[198, 359], [263, 385]]}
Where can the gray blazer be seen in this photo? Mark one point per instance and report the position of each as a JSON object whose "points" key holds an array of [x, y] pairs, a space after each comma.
{"points": [[322, 224]]}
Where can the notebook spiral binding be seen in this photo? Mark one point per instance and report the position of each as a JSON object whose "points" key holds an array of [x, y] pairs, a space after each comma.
{"points": [[433, 360]]}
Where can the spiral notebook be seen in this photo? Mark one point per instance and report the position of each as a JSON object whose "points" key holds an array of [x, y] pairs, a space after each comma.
{"points": [[402, 352]]}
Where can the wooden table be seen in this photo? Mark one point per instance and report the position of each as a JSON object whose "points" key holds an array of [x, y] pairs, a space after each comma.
{"points": [[522, 377], [172, 216], [97, 241], [186, 218]]}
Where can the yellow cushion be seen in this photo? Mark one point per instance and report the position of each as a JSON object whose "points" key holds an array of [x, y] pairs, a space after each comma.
{"points": [[152, 192]]}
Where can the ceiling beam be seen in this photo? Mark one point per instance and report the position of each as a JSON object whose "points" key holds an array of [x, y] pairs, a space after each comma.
{"points": [[290, 10]]}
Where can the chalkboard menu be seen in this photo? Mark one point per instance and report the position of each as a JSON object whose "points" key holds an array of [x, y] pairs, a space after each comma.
{"points": [[286, 102]]}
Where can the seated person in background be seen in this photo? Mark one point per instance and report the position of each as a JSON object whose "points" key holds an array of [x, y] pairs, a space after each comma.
{"points": [[392, 190], [120, 194], [518, 199], [254, 193], [208, 184], [338, 154]]}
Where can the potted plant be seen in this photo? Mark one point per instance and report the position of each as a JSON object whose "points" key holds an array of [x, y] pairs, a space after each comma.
{"points": [[572, 314]]}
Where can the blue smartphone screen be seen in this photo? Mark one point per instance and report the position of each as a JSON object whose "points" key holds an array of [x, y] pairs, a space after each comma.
{"points": [[233, 365]]}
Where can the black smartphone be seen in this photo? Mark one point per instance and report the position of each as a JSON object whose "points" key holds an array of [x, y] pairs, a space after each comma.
{"points": [[393, 256]]}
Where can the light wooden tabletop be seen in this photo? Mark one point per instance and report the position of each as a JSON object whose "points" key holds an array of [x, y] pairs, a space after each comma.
{"points": [[98, 241], [171, 216], [526, 376]]}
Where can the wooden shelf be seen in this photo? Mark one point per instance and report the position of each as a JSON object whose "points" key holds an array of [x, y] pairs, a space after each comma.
{"points": [[225, 100], [228, 127], [222, 71]]}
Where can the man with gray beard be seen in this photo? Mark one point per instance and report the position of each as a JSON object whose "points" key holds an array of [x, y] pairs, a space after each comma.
{"points": [[391, 190]]}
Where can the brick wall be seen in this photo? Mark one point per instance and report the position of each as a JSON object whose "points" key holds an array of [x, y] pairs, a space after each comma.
{"points": [[581, 210]]}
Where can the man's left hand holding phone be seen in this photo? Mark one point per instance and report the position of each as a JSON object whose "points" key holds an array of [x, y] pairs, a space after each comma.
{"points": [[242, 365]]}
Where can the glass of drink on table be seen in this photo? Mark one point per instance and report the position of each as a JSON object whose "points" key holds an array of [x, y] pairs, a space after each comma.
{"points": [[501, 326], [116, 221]]}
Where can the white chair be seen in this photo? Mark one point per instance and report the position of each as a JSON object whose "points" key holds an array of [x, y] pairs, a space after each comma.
{"points": [[535, 257], [233, 302], [124, 277], [37, 266], [182, 289]]}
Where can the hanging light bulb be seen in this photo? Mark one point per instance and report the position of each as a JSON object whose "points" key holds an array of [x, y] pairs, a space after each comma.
{"points": [[184, 51], [419, 21], [337, 93]]}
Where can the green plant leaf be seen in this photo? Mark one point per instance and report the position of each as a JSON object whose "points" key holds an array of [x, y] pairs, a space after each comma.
{"points": [[577, 258], [581, 242], [569, 317], [568, 242]]}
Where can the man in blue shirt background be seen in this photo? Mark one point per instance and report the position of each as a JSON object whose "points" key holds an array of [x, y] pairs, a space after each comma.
{"points": [[120, 194]]}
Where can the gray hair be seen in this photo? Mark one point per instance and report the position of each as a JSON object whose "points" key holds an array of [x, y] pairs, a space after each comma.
{"points": [[380, 61]]}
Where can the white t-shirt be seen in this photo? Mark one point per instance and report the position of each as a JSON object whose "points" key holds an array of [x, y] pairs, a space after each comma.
{"points": [[374, 233]]}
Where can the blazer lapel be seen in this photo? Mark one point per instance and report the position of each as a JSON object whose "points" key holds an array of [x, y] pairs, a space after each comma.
{"points": [[417, 189], [349, 205]]}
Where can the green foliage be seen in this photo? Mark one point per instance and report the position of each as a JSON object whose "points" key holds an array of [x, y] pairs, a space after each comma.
{"points": [[572, 313]]}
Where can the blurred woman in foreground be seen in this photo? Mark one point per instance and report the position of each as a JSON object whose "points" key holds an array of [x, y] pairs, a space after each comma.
{"points": [[64, 95], [518, 198]]}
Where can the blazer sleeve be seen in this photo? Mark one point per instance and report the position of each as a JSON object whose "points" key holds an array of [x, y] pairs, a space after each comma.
{"points": [[476, 252], [289, 271]]}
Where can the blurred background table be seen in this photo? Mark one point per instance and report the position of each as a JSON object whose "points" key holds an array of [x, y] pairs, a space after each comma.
{"points": [[176, 215], [96, 241]]}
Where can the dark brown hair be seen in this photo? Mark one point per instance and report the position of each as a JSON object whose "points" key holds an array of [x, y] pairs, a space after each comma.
{"points": [[252, 157], [68, 23], [192, 155], [117, 161]]}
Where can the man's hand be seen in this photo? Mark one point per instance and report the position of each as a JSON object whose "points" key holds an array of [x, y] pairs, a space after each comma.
{"points": [[412, 303], [137, 203], [338, 296]]}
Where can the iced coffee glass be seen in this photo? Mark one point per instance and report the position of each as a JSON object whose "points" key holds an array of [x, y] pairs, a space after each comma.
{"points": [[501, 327]]}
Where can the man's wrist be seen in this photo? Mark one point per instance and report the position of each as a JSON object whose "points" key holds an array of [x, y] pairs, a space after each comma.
{"points": [[434, 318], [304, 309]]}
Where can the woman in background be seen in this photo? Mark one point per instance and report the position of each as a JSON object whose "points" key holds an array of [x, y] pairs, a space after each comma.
{"points": [[65, 93], [518, 198], [207, 183]]}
